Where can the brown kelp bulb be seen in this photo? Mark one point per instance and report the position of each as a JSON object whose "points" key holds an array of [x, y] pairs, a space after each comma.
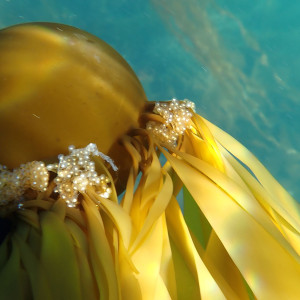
{"points": [[62, 86]]}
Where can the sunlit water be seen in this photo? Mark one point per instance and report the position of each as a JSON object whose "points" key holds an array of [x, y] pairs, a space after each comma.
{"points": [[237, 61]]}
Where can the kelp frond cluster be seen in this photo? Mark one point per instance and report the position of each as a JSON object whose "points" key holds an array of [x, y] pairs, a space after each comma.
{"points": [[235, 237]]}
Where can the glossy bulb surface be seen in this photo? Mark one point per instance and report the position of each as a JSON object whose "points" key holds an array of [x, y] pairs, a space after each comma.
{"points": [[62, 86]]}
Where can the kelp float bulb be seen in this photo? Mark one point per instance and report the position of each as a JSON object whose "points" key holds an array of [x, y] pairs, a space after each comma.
{"points": [[62, 86]]}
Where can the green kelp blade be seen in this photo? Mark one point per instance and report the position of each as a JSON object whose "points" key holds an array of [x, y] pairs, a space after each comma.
{"points": [[247, 242], [195, 219], [14, 282], [193, 280], [36, 273], [58, 258]]}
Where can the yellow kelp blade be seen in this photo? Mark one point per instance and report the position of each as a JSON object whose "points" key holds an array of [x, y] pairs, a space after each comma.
{"points": [[167, 271], [153, 176], [148, 273], [157, 208], [242, 197], [223, 269], [282, 209], [212, 251], [285, 204], [118, 216], [128, 196], [193, 281], [129, 283], [270, 271], [282, 219], [271, 194], [100, 253], [207, 148], [147, 260]]}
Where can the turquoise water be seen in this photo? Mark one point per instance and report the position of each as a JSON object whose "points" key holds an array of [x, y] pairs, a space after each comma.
{"points": [[238, 62]]}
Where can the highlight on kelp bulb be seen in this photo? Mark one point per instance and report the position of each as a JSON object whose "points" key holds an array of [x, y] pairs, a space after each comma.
{"points": [[58, 85], [93, 208]]}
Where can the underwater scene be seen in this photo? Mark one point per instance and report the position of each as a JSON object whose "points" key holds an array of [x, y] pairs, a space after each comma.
{"points": [[149, 150], [236, 60]]}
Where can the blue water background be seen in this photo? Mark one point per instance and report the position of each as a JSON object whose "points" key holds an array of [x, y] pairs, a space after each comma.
{"points": [[238, 60]]}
